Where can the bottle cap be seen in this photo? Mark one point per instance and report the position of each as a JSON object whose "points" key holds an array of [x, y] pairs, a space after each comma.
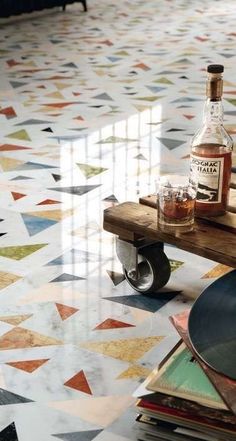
{"points": [[215, 68]]}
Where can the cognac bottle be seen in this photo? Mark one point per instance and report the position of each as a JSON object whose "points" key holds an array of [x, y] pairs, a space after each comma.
{"points": [[211, 151]]}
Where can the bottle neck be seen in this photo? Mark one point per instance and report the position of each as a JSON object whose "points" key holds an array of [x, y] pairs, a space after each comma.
{"points": [[213, 112]]}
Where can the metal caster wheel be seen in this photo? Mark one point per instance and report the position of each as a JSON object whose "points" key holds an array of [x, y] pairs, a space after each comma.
{"points": [[152, 270]]}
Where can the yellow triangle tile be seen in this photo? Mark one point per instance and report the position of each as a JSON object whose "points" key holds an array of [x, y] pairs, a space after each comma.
{"points": [[8, 164], [101, 411], [218, 271], [56, 215], [15, 319], [134, 371], [126, 350], [19, 338], [56, 95], [20, 134], [7, 279], [62, 86], [141, 108]]}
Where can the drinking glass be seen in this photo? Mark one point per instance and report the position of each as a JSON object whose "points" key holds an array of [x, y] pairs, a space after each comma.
{"points": [[175, 203]]}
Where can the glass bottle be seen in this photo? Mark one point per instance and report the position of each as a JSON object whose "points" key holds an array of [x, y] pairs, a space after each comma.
{"points": [[211, 151]]}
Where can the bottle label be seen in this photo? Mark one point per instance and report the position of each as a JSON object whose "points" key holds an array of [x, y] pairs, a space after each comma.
{"points": [[207, 173]]}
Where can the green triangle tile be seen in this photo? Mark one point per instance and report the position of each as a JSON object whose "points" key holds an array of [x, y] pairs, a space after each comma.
{"points": [[232, 101], [163, 80], [170, 143], [113, 139], [20, 134], [104, 96], [175, 264], [89, 170], [148, 98], [21, 251]]}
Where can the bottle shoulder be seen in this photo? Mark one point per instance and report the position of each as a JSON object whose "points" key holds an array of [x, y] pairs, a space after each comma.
{"points": [[210, 135]]}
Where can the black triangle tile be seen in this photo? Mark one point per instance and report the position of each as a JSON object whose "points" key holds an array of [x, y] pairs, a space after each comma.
{"points": [[152, 302], [85, 435], [2, 234], [9, 433], [7, 397], [56, 177], [116, 277], [48, 129]]}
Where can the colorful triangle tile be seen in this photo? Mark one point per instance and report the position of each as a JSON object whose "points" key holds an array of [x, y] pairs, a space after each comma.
{"points": [[6, 398], [147, 303], [116, 278], [9, 433], [128, 350], [48, 202], [65, 311], [89, 170], [9, 112], [20, 251], [11, 147], [15, 319], [34, 166], [35, 225], [218, 271], [9, 164], [79, 382], [66, 278], [17, 196], [85, 435], [7, 279], [134, 371], [78, 190], [112, 324], [19, 338], [20, 134], [28, 365]]}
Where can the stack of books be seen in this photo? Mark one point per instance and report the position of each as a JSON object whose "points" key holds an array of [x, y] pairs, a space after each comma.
{"points": [[184, 399]]}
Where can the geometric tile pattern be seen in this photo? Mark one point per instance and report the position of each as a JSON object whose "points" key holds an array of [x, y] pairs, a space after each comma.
{"points": [[93, 108]]}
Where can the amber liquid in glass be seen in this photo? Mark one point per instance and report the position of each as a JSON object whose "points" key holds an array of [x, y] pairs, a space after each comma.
{"points": [[215, 151]]}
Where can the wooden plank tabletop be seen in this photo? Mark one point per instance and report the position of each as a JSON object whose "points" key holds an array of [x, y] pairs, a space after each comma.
{"points": [[206, 239]]}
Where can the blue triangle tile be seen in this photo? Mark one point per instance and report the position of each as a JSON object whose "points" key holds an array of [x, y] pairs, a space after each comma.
{"points": [[33, 166], [7, 397], [66, 278], [114, 59], [35, 224], [18, 178], [151, 303], [155, 89], [16, 84], [75, 256], [78, 190], [85, 435], [171, 143], [9, 433], [103, 96], [32, 122]]}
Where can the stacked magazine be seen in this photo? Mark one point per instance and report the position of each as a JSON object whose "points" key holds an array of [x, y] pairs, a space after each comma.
{"points": [[184, 399]]}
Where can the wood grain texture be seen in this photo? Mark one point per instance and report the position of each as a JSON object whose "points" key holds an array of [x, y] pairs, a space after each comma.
{"points": [[205, 240]]}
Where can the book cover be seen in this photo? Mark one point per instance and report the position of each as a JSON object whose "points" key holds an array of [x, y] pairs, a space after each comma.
{"points": [[224, 385], [183, 377], [204, 424], [168, 431]]}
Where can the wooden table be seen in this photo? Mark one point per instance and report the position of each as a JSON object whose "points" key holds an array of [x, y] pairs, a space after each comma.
{"points": [[212, 238]]}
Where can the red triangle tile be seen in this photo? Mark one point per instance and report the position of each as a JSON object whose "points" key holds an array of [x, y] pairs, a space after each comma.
{"points": [[12, 63], [185, 157], [65, 311], [79, 118], [9, 147], [48, 202], [9, 112], [17, 196], [79, 382], [111, 324], [59, 105], [29, 365], [189, 116]]}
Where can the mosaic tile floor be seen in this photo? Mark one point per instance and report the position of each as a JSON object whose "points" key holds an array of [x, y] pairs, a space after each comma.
{"points": [[92, 108]]}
